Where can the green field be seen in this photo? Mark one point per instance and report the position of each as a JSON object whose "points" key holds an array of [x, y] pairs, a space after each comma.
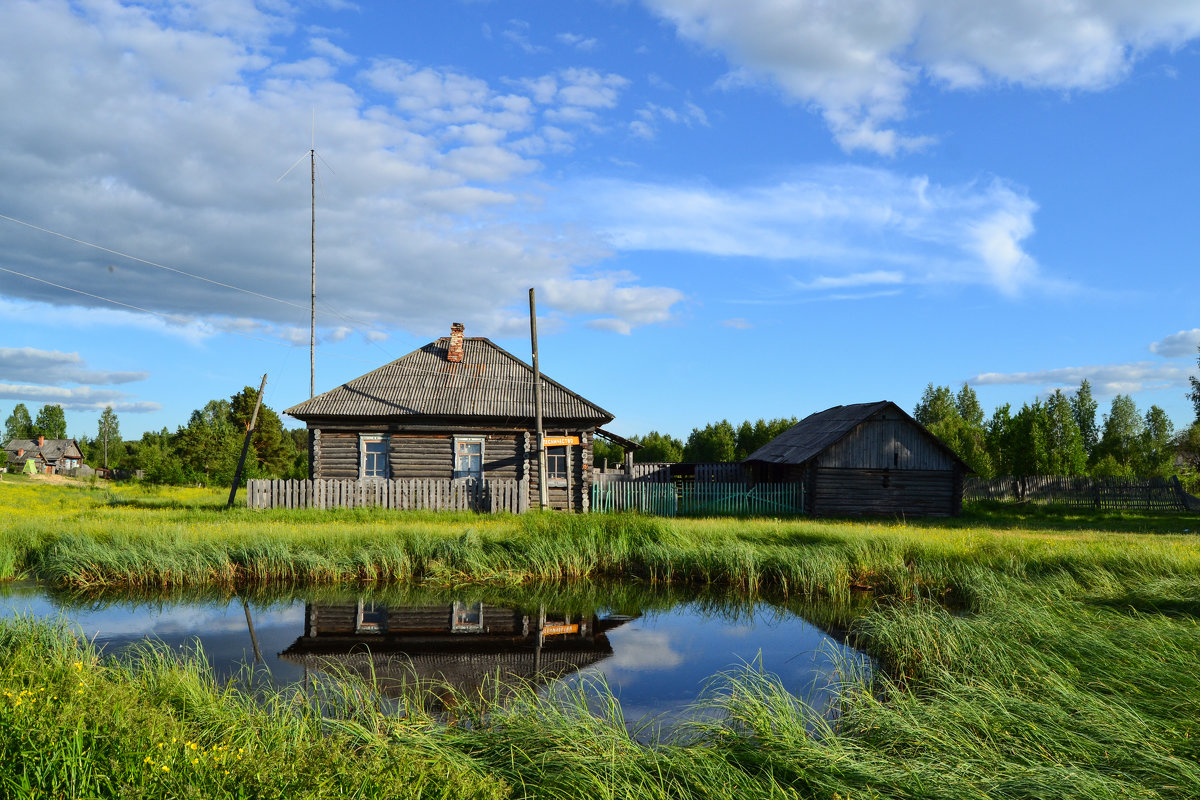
{"points": [[1039, 654]]}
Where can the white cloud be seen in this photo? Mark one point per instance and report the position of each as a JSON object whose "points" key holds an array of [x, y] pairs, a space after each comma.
{"points": [[55, 368], [583, 43], [621, 307], [1179, 344], [846, 226], [737, 323], [1106, 380], [852, 280], [856, 61], [517, 32], [39, 377], [328, 50], [651, 115], [76, 398], [161, 133], [589, 88]]}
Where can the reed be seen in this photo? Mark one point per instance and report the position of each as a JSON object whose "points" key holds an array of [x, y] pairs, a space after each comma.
{"points": [[1053, 657]]}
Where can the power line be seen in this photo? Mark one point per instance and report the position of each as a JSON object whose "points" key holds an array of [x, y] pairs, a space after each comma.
{"points": [[151, 263], [325, 306], [180, 320]]}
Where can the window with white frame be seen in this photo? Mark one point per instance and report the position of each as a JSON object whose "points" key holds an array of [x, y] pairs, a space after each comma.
{"points": [[467, 617], [556, 463], [374, 459], [468, 456]]}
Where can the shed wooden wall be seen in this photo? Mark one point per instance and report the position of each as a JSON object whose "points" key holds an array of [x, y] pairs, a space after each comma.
{"points": [[887, 466], [883, 443], [840, 492]]}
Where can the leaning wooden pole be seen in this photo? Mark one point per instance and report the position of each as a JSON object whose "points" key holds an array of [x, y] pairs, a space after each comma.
{"points": [[237, 476], [543, 494]]}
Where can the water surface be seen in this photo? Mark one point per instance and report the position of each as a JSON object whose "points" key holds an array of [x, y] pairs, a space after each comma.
{"points": [[657, 652]]}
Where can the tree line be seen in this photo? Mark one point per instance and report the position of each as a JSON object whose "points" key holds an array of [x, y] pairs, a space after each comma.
{"points": [[1058, 435], [715, 442], [204, 451]]}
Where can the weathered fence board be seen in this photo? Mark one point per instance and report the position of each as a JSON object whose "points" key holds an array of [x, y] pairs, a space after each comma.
{"points": [[404, 494], [1145, 494]]}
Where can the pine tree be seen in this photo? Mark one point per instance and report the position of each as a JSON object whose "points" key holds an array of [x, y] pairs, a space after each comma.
{"points": [[1083, 406], [1064, 441]]}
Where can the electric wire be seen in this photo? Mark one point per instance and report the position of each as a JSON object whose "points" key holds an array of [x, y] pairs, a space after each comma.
{"points": [[175, 318], [323, 306]]}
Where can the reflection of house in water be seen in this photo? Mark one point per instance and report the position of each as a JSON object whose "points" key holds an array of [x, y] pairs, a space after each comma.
{"points": [[456, 648]]}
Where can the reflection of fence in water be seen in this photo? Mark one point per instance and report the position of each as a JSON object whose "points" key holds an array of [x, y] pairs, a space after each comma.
{"points": [[1145, 494]]}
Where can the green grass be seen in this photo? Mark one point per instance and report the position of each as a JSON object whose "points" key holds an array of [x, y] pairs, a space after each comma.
{"points": [[1023, 654]]}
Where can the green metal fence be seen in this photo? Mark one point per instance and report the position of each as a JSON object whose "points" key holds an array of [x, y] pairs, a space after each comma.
{"points": [[699, 499], [738, 499], [648, 498]]}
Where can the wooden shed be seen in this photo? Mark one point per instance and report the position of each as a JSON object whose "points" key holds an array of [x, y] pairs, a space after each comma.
{"points": [[864, 459], [457, 408]]}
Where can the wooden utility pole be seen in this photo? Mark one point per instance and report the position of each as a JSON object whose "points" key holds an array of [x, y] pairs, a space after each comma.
{"points": [[543, 494], [237, 476]]}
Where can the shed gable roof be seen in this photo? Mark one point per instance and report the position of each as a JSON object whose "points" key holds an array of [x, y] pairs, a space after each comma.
{"points": [[818, 432], [488, 382]]}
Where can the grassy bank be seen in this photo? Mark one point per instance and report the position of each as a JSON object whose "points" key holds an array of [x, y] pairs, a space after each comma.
{"points": [[162, 538], [1025, 656]]}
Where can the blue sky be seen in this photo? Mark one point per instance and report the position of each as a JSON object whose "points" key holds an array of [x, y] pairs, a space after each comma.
{"points": [[729, 209]]}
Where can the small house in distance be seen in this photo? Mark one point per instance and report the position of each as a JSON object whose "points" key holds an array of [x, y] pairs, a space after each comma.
{"points": [[458, 408], [864, 459], [49, 456]]}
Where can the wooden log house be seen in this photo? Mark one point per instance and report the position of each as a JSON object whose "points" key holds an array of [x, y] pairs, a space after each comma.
{"points": [[450, 649], [864, 459], [459, 407]]}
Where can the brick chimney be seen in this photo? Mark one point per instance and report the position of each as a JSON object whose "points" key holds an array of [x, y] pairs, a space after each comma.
{"points": [[20, 452], [41, 441], [455, 352]]}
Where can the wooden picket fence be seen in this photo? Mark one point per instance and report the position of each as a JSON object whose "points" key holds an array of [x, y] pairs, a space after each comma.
{"points": [[1144, 494], [486, 496], [698, 499]]}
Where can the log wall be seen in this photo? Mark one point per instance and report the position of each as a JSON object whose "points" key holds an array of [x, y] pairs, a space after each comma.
{"points": [[881, 492]]}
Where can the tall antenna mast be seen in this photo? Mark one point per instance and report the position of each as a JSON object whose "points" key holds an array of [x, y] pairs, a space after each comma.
{"points": [[312, 246]]}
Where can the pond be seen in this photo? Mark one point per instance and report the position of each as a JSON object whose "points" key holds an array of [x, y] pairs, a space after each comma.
{"points": [[656, 651]]}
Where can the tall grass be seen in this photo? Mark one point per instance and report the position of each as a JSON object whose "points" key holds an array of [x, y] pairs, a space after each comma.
{"points": [[94, 537], [1053, 658]]}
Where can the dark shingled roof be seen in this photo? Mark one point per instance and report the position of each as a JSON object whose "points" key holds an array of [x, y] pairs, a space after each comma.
{"points": [[50, 452], [818, 432], [488, 382]]}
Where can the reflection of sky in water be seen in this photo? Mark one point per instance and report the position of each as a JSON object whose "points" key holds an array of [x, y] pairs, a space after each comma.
{"points": [[220, 627], [661, 662]]}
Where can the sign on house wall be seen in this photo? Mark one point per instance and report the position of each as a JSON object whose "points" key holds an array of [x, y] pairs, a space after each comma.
{"points": [[559, 441]]}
